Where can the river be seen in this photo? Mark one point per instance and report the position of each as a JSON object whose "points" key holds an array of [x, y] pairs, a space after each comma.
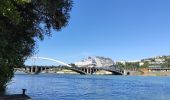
{"points": [[91, 87]]}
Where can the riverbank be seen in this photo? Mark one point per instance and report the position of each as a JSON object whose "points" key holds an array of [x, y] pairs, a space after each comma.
{"points": [[137, 73], [15, 97], [156, 74], [147, 72]]}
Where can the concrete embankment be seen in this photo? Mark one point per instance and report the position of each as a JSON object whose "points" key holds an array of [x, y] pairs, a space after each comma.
{"points": [[22, 96], [15, 97], [146, 72], [156, 73]]}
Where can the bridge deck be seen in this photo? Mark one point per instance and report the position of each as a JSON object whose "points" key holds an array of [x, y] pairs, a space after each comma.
{"points": [[81, 70]]}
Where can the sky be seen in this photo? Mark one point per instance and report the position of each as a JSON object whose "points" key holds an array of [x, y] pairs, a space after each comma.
{"points": [[118, 29]]}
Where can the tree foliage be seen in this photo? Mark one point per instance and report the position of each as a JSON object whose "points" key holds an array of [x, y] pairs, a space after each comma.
{"points": [[166, 63], [21, 22]]}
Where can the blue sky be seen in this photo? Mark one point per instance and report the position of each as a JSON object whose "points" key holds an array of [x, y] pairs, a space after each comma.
{"points": [[119, 29]]}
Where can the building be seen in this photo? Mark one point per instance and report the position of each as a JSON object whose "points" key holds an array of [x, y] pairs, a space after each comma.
{"points": [[95, 62]]}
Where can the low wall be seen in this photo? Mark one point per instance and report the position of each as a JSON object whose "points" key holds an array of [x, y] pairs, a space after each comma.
{"points": [[157, 73], [133, 73]]}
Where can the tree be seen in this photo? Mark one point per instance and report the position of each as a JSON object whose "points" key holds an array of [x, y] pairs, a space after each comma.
{"points": [[145, 65], [166, 63], [21, 22], [132, 65], [120, 65]]}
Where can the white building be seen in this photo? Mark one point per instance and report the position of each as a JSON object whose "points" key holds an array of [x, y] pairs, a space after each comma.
{"points": [[131, 61], [95, 62], [141, 63]]}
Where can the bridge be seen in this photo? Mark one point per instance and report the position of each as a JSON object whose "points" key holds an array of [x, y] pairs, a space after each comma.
{"points": [[81, 70]]}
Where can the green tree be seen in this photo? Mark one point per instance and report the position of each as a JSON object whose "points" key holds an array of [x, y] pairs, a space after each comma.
{"points": [[166, 63], [21, 23], [120, 65], [132, 65], [145, 65]]}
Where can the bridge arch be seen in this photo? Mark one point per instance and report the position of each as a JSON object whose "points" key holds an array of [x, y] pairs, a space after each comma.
{"points": [[86, 70], [57, 61], [50, 59]]}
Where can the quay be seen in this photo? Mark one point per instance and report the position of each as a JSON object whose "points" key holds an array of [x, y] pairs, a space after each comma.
{"points": [[15, 97], [22, 96]]}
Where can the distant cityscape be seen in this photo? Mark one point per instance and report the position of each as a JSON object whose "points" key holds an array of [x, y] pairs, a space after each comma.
{"points": [[98, 65], [98, 61]]}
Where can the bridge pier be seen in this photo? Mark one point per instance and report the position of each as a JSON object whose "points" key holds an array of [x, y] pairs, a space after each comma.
{"points": [[31, 69], [87, 71], [84, 69], [93, 70], [36, 69], [90, 70], [45, 69]]}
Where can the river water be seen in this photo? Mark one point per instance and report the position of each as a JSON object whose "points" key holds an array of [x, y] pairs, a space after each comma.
{"points": [[91, 87]]}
